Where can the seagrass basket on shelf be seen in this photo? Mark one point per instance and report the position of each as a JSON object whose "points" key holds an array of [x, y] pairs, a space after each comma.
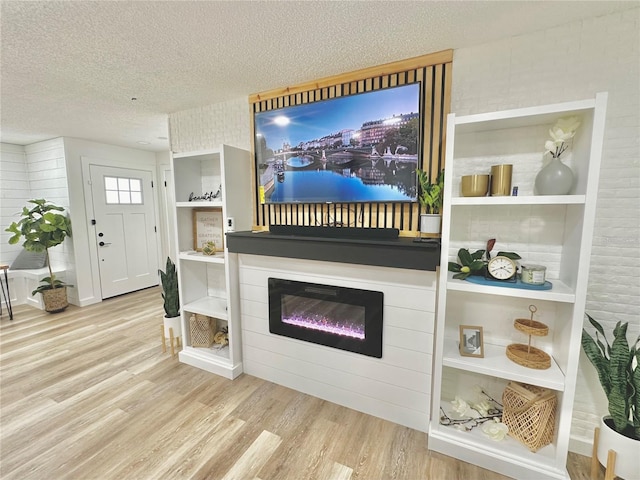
{"points": [[202, 329], [530, 413]]}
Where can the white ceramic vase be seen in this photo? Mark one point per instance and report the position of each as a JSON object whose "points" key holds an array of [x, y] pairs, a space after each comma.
{"points": [[554, 179], [626, 449]]}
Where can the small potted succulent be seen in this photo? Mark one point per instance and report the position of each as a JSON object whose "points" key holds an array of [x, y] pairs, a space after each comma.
{"points": [[619, 374], [43, 227], [430, 196]]}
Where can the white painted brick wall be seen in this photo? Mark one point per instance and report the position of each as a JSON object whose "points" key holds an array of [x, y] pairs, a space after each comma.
{"points": [[571, 62], [210, 126]]}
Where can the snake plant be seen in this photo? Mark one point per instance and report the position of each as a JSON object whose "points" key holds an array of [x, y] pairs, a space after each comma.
{"points": [[619, 375], [170, 293]]}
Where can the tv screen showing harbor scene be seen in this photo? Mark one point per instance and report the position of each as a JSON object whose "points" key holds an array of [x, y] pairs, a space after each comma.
{"points": [[357, 148]]}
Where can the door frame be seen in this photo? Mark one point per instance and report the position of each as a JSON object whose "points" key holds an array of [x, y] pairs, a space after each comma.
{"points": [[86, 163]]}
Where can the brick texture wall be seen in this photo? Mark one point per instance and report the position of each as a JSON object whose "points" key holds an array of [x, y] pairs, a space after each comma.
{"points": [[211, 126], [571, 62]]}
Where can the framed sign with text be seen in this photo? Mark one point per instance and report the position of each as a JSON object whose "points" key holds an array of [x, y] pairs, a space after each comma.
{"points": [[207, 227]]}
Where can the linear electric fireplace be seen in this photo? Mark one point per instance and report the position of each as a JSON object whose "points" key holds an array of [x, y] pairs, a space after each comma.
{"points": [[339, 317]]}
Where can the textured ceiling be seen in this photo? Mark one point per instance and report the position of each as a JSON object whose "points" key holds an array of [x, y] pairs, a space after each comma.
{"points": [[71, 68]]}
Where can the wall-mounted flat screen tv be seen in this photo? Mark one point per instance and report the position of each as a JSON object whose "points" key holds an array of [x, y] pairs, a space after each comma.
{"points": [[357, 148]]}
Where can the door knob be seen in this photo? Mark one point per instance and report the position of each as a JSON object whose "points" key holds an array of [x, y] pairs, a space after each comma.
{"points": [[102, 244]]}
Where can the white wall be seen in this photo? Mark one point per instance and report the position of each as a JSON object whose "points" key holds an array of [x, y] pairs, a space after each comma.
{"points": [[208, 127], [14, 194], [87, 274], [570, 62]]}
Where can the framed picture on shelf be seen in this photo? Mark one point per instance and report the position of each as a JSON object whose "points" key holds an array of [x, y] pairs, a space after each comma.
{"points": [[207, 227], [471, 341]]}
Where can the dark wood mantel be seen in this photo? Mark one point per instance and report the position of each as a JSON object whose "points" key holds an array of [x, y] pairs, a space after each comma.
{"points": [[398, 252]]}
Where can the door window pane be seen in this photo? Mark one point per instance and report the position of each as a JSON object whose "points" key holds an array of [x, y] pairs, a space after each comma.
{"points": [[123, 191]]}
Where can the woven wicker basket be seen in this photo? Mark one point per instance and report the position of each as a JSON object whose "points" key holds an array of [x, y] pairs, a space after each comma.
{"points": [[528, 356], [530, 414], [202, 329], [55, 299]]}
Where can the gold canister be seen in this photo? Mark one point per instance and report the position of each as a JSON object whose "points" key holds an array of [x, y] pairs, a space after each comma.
{"points": [[501, 180], [474, 185]]}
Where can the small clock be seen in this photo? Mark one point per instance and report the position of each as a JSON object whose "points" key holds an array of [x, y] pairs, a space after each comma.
{"points": [[502, 268]]}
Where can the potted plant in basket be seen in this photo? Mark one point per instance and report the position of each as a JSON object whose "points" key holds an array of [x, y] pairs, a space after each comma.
{"points": [[619, 374], [430, 196], [44, 227], [171, 325]]}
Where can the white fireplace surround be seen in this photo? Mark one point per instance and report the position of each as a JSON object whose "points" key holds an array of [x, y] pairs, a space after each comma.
{"points": [[396, 387]]}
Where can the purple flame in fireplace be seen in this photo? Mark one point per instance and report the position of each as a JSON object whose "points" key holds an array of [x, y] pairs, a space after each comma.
{"points": [[346, 318], [324, 315]]}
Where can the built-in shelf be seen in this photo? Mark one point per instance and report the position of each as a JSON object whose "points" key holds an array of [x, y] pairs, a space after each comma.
{"points": [[557, 232], [203, 204], [521, 200], [194, 256], [558, 293], [495, 363], [211, 306], [522, 117], [475, 447], [209, 283]]}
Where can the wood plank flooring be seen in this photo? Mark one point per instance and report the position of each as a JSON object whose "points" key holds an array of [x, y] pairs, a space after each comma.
{"points": [[87, 394]]}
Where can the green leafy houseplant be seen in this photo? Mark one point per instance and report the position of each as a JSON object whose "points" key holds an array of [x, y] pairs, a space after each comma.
{"points": [[43, 227], [619, 377], [169, 279], [430, 195]]}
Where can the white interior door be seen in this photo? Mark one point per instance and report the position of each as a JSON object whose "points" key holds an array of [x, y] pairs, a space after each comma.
{"points": [[125, 229]]}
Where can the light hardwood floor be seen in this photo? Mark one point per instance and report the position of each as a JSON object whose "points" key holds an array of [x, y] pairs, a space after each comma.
{"points": [[87, 394]]}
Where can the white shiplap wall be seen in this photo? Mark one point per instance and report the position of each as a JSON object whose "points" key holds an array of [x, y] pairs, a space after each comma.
{"points": [[14, 193], [570, 62], [48, 179], [395, 387]]}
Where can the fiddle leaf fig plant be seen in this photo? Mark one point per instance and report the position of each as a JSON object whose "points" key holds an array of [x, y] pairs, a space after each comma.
{"points": [[43, 227], [619, 374]]}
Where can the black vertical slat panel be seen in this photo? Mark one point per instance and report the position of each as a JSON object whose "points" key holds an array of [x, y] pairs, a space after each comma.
{"points": [[433, 116], [288, 214], [442, 117]]}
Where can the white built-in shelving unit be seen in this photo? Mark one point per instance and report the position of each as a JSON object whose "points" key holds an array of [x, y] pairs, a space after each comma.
{"points": [[554, 231], [209, 284]]}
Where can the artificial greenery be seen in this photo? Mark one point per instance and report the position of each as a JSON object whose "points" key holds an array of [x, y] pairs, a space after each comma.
{"points": [[476, 263], [43, 227], [170, 293], [430, 195], [619, 378]]}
